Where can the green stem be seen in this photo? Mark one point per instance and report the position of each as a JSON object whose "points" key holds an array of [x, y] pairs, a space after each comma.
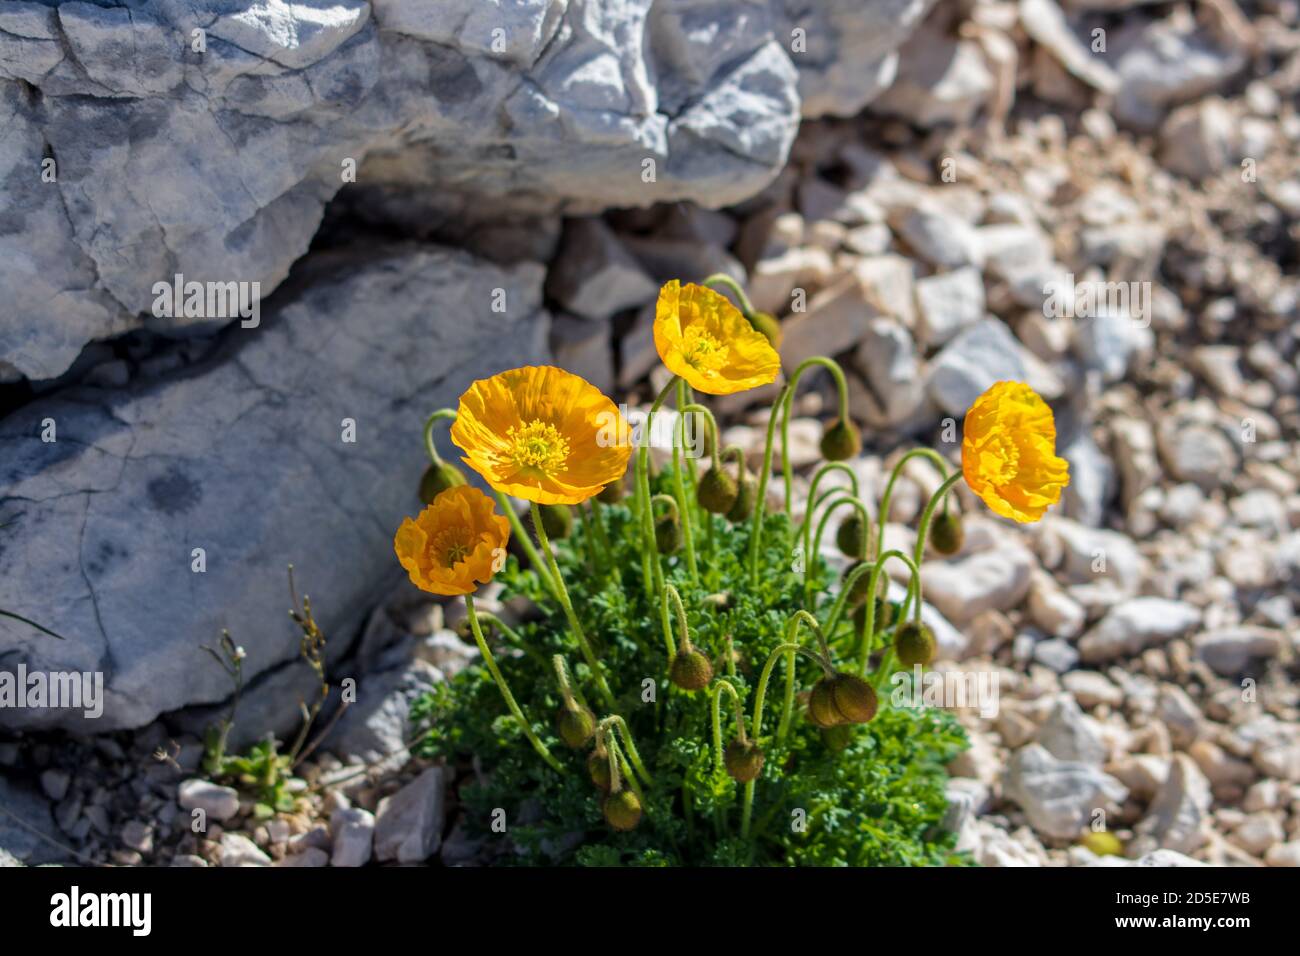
{"points": [[620, 724], [721, 278], [814, 501], [685, 503], [842, 387], [816, 545], [649, 550], [913, 588], [563, 596], [883, 511], [716, 702], [502, 686], [670, 594], [534, 559], [756, 522], [432, 420], [602, 537]]}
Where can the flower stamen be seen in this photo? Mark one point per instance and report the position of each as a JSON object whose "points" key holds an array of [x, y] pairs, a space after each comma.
{"points": [[538, 446]]}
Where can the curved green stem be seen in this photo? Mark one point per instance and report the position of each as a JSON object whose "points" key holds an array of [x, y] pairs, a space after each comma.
{"points": [[939, 462], [616, 721], [563, 596], [841, 386], [816, 547], [913, 588], [670, 594], [721, 278], [716, 703], [814, 501], [432, 420], [756, 522], [502, 686], [526, 542]]}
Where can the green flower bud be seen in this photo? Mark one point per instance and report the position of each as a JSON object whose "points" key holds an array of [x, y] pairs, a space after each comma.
{"points": [[598, 770], [717, 491], [769, 325], [557, 520], [821, 706], [851, 538], [946, 533], [437, 479], [622, 810], [612, 493], [854, 698], [668, 533], [841, 441], [914, 644], [743, 760], [746, 498], [842, 699], [575, 725], [838, 737], [858, 592], [690, 670]]}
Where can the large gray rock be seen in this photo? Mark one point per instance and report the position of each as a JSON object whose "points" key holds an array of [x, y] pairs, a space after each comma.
{"points": [[243, 456], [204, 137]]}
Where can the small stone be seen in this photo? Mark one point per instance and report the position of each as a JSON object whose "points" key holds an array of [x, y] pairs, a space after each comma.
{"points": [[1069, 734], [138, 836], [55, 783], [408, 825], [1258, 833], [1284, 854], [188, 859], [353, 829], [1134, 625], [948, 303], [217, 802], [1178, 816], [1091, 689], [239, 850], [1058, 796], [982, 354], [1229, 651], [310, 857], [965, 587]]}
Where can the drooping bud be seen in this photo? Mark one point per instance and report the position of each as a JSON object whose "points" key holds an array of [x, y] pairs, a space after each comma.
{"points": [[557, 520], [841, 699], [841, 441], [746, 498], [884, 616], [598, 769], [668, 533], [946, 532], [437, 479], [690, 669], [743, 760], [622, 810], [851, 538], [575, 724], [914, 644], [717, 491], [612, 493]]}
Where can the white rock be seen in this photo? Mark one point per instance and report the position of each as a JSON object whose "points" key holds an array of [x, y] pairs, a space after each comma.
{"points": [[1069, 734], [1136, 624], [1199, 140], [1180, 813], [940, 81], [239, 850], [353, 831], [1284, 854], [408, 824], [217, 802], [1258, 833], [835, 320], [964, 587], [1091, 688], [937, 235], [893, 390], [1058, 797], [594, 276], [309, 857], [1230, 650], [1052, 610], [948, 303], [982, 354], [1045, 23]]}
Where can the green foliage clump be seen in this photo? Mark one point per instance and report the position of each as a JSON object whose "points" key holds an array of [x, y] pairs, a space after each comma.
{"points": [[867, 794]]}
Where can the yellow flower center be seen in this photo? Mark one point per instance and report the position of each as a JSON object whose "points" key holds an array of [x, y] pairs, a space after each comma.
{"points": [[702, 350], [451, 546], [538, 446], [1001, 459]]}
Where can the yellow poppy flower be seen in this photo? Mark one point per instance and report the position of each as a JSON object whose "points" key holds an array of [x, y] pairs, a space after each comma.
{"points": [[453, 543], [703, 338], [542, 434], [1008, 452]]}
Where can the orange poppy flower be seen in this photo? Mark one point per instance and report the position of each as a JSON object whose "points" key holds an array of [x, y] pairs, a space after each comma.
{"points": [[542, 434], [703, 338], [1008, 452], [454, 544]]}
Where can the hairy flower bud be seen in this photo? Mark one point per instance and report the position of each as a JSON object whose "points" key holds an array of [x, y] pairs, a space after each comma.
{"points": [[840, 441], [914, 644], [557, 520], [598, 770], [690, 669], [575, 725], [668, 533], [717, 491], [841, 699], [746, 498], [946, 533], [851, 538], [622, 810], [743, 760]]}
